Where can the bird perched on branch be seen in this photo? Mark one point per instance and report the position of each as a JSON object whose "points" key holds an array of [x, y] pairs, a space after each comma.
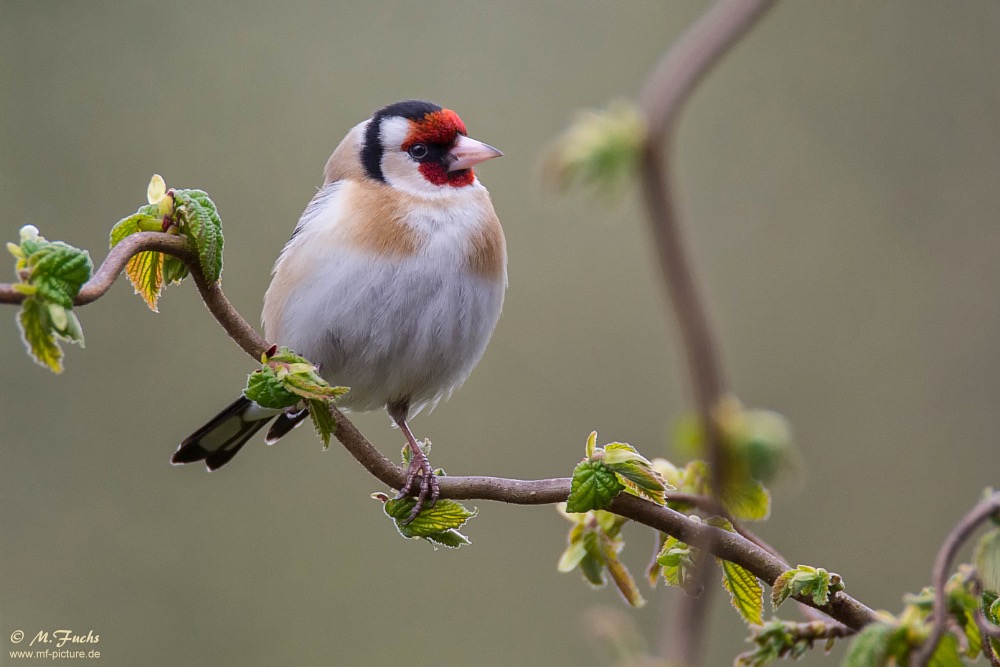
{"points": [[392, 281]]}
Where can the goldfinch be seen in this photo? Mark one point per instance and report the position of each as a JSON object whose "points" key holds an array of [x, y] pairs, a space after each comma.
{"points": [[392, 281]]}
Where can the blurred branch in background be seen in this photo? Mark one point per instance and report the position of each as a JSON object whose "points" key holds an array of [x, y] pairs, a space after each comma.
{"points": [[665, 93], [986, 509]]}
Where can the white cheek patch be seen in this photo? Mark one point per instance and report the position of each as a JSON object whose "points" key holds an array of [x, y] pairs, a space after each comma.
{"points": [[393, 132], [400, 170]]}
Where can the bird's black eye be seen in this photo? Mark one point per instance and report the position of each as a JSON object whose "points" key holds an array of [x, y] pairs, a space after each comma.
{"points": [[418, 151]]}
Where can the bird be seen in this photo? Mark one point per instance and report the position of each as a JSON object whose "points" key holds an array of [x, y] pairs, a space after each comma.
{"points": [[392, 282]]}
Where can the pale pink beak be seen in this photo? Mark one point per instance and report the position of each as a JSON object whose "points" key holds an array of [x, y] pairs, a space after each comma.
{"points": [[468, 152]]}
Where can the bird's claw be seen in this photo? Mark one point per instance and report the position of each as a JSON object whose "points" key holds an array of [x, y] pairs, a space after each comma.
{"points": [[429, 488]]}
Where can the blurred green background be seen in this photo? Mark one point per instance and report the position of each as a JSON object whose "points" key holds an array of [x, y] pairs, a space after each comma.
{"points": [[839, 178]]}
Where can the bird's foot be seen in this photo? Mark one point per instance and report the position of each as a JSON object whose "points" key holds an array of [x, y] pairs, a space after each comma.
{"points": [[420, 467]]}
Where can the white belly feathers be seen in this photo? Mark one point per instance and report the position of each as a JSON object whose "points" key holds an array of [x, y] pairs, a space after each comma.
{"points": [[394, 321]]}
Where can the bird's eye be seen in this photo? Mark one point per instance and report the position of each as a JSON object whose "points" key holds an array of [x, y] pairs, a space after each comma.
{"points": [[418, 151]]}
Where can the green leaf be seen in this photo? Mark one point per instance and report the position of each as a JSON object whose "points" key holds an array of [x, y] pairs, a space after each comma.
{"points": [[695, 478], [745, 592], [265, 389], [51, 274], [437, 524], [634, 471], [806, 581], [871, 647], [747, 499], [145, 272], [946, 654], [286, 378], [988, 560], [781, 589], [174, 270], [620, 452], [309, 385], [198, 219], [677, 560], [600, 150], [59, 271], [132, 224], [620, 575], [36, 332], [594, 486], [991, 610], [592, 564], [322, 419], [572, 556], [973, 638]]}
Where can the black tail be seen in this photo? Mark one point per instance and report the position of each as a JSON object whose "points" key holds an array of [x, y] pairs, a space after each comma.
{"points": [[283, 425], [217, 442]]}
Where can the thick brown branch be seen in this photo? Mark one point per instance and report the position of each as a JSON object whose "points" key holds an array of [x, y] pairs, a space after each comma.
{"points": [[666, 91], [983, 511]]}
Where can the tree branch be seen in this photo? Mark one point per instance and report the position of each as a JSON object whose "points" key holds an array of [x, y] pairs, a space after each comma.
{"points": [[665, 93], [729, 546], [983, 511], [234, 324]]}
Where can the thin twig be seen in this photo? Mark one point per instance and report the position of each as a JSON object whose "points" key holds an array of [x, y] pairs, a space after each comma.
{"points": [[729, 546], [665, 93], [983, 511], [109, 270], [713, 506]]}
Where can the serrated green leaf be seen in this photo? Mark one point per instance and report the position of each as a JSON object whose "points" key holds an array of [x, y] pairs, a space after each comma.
{"points": [[59, 271], [438, 523], [593, 486], [620, 452], [820, 587], [36, 332], [311, 386], [988, 560], [804, 580], [199, 220], [322, 419], [265, 389], [145, 271], [745, 592], [871, 647], [54, 273], [781, 590], [640, 479], [129, 225], [747, 499], [449, 538], [676, 558]]}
